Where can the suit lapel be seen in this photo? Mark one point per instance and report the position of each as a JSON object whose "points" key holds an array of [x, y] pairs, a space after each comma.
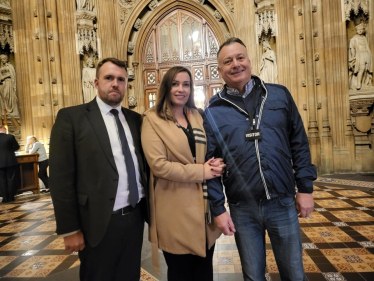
{"points": [[96, 119]]}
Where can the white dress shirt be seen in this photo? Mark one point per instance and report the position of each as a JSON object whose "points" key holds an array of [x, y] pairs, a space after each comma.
{"points": [[122, 197]]}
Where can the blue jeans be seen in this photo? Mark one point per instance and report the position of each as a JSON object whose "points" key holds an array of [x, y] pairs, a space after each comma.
{"points": [[279, 217]]}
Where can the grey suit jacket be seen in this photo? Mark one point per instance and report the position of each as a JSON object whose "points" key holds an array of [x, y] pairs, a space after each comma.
{"points": [[83, 173]]}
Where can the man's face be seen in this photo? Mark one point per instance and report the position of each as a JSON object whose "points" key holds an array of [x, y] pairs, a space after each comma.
{"points": [[111, 84], [234, 66]]}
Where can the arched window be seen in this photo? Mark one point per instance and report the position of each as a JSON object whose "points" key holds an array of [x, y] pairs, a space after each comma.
{"points": [[182, 38]]}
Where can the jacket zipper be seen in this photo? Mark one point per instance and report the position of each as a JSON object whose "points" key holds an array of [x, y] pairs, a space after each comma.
{"points": [[256, 141]]}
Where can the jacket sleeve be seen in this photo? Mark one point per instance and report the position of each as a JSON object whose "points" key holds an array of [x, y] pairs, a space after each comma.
{"points": [[15, 144], [62, 168], [305, 171], [156, 155], [215, 188]]}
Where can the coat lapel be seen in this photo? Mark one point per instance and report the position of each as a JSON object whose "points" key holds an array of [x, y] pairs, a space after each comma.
{"points": [[96, 119]]}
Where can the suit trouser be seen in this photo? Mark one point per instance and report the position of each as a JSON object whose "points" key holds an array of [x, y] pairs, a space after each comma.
{"points": [[118, 255], [8, 183]]}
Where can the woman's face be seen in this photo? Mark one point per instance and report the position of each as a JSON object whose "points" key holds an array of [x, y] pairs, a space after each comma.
{"points": [[180, 89]]}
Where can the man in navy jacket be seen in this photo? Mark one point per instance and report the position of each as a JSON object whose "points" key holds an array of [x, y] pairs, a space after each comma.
{"points": [[257, 129], [8, 165]]}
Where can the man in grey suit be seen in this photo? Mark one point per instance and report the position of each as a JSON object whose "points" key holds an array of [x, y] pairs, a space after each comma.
{"points": [[91, 185], [8, 165]]}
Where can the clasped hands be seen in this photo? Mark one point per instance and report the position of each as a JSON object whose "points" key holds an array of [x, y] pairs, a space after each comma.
{"points": [[213, 168]]}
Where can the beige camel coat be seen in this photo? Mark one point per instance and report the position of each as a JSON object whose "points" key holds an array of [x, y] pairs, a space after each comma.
{"points": [[176, 196]]}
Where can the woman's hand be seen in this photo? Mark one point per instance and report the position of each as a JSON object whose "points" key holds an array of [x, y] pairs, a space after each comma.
{"points": [[213, 168]]}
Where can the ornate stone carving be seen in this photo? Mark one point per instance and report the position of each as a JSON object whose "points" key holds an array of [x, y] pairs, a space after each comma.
{"points": [[138, 24], [54, 80], [131, 47], [318, 81], [319, 105], [130, 73], [132, 101], [49, 14], [266, 24], [360, 60], [303, 83], [55, 102], [264, 4], [88, 78], [40, 80], [314, 8], [38, 58], [355, 6], [316, 57], [227, 35], [5, 2], [6, 36], [305, 106], [37, 35], [315, 33], [8, 94], [230, 5], [87, 39], [217, 15], [200, 1], [52, 58], [300, 12], [301, 36], [87, 5], [153, 5], [42, 102], [36, 13], [302, 59], [268, 67], [125, 8], [50, 36]]}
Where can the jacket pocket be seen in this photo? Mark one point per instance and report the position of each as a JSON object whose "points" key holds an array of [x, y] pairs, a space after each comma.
{"points": [[82, 199], [274, 114]]}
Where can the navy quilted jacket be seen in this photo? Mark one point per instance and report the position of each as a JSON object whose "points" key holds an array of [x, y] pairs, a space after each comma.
{"points": [[277, 163]]}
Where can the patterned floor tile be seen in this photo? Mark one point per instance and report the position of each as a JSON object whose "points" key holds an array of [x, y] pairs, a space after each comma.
{"points": [[47, 226], [16, 227], [23, 243], [333, 203], [36, 266], [352, 216], [4, 261]]}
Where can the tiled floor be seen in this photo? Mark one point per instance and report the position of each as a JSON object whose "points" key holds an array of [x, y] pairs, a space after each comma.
{"points": [[338, 239]]}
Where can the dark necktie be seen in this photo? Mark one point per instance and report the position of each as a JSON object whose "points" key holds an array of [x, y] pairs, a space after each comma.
{"points": [[133, 186]]}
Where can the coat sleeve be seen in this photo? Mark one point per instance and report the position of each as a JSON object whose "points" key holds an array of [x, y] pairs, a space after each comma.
{"points": [[305, 171], [156, 154], [215, 188], [62, 168], [15, 144]]}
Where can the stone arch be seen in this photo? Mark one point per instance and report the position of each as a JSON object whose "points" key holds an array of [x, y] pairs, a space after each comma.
{"points": [[223, 28]]}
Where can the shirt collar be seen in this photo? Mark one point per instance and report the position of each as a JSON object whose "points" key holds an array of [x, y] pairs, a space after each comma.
{"points": [[106, 108], [235, 92]]}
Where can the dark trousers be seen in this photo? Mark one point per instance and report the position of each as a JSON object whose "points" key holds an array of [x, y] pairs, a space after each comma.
{"points": [[190, 267], [8, 183], [43, 165], [118, 255]]}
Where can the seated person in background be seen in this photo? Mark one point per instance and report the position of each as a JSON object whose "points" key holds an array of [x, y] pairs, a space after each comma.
{"points": [[34, 146]]}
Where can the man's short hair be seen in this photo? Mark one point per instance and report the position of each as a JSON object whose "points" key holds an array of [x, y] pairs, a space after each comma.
{"points": [[120, 63], [229, 42]]}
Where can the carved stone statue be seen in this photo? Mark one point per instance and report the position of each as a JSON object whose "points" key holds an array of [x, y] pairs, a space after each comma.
{"points": [[8, 96], [360, 60], [268, 67], [87, 5], [88, 77]]}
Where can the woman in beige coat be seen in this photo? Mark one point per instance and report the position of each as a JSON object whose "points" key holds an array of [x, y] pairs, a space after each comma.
{"points": [[174, 144]]}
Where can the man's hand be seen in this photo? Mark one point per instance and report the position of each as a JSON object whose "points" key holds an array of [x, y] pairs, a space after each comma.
{"points": [[304, 204], [224, 222], [74, 242]]}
